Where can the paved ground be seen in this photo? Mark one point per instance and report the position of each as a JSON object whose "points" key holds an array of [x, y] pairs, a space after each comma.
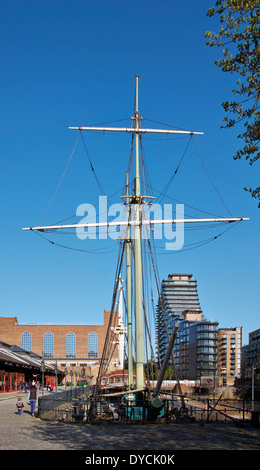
{"points": [[28, 433]]}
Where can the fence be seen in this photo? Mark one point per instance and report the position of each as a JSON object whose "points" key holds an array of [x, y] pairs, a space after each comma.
{"points": [[224, 410], [53, 400], [70, 406]]}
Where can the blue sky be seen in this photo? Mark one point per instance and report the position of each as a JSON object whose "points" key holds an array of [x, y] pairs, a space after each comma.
{"points": [[68, 63]]}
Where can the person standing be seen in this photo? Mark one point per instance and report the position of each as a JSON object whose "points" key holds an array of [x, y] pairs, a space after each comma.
{"points": [[32, 397], [19, 406]]}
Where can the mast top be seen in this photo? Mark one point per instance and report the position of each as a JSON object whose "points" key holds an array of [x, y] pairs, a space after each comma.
{"points": [[136, 93], [135, 118]]}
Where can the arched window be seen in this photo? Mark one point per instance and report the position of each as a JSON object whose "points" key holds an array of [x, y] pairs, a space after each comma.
{"points": [[92, 345], [27, 341], [70, 345], [48, 345]]}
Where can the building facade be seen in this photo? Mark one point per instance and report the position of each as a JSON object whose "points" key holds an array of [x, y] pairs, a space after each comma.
{"points": [[196, 347], [230, 354], [18, 367], [78, 348], [251, 353], [178, 295], [201, 349]]}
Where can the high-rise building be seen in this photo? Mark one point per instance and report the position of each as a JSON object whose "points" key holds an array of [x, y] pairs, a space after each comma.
{"points": [[196, 346], [201, 349], [178, 295]]}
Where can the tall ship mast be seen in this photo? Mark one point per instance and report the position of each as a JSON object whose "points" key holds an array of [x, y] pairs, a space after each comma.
{"points": [[134, 224]]}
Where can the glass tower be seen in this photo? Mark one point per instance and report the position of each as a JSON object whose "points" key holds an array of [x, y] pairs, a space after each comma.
{"points": [[196, 346]]}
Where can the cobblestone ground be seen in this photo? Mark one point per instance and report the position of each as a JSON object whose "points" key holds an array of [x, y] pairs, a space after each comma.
{"points": [[28, 433]]}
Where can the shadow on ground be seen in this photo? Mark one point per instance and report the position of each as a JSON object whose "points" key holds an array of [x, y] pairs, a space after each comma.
{"points": [[177, 436]]}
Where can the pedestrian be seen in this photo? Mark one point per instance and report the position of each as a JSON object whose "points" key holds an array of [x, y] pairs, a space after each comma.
{"points": [[32, 396], [19, 406], [20, 386]]}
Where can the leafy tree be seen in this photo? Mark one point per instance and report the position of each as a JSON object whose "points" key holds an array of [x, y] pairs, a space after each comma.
{"points": [[151, 370], [169, 374], [239, 36]]}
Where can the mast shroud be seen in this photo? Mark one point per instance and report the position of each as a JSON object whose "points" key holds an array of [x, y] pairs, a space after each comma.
{"points": [[137, 222]]}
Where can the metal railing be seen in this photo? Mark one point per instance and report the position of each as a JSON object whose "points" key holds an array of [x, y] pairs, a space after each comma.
{"points": [[54, 400], [72, 406]]}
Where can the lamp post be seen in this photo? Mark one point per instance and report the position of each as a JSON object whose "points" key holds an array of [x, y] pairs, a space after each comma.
{"points": [[42, 370], [214, 385], [253, 388], [56, 374], [65, 371], [71, 375]]}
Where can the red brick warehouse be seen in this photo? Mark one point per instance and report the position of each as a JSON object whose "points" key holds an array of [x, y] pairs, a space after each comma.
{"points": [[79, 347]]}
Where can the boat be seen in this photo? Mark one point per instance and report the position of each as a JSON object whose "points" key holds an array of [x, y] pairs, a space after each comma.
{"points": [[130, 252]]}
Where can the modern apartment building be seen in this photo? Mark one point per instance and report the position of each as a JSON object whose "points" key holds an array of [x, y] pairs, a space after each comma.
{"points": [[201, 349], [230, 353], [196, 347], [178, 295], [251, 353]]}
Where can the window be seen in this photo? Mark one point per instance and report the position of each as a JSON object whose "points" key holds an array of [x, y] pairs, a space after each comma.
{"points": [[48, 345], [27, 341], [92, 345], [70, 345]]}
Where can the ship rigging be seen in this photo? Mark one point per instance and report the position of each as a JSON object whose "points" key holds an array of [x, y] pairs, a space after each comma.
{"points": [[131, 248]]}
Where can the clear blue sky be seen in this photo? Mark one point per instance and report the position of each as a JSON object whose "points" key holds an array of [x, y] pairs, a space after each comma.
{"points": [[67, 63]]}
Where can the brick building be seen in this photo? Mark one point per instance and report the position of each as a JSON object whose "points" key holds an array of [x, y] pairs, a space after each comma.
{"points": [[77, 347], [230, 354]]}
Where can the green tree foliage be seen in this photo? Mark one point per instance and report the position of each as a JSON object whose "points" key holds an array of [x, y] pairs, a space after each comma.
{"points": [[169, 374], [150, 370], [239, 38]]}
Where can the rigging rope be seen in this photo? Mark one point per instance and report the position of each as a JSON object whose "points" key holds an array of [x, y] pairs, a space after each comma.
{"points": [[94, 205], [91, 166], [161, 310], [211, 178], [95, 250], [181, 202], [110, 335], [163, 124], [72, 153], [174, 174]]}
